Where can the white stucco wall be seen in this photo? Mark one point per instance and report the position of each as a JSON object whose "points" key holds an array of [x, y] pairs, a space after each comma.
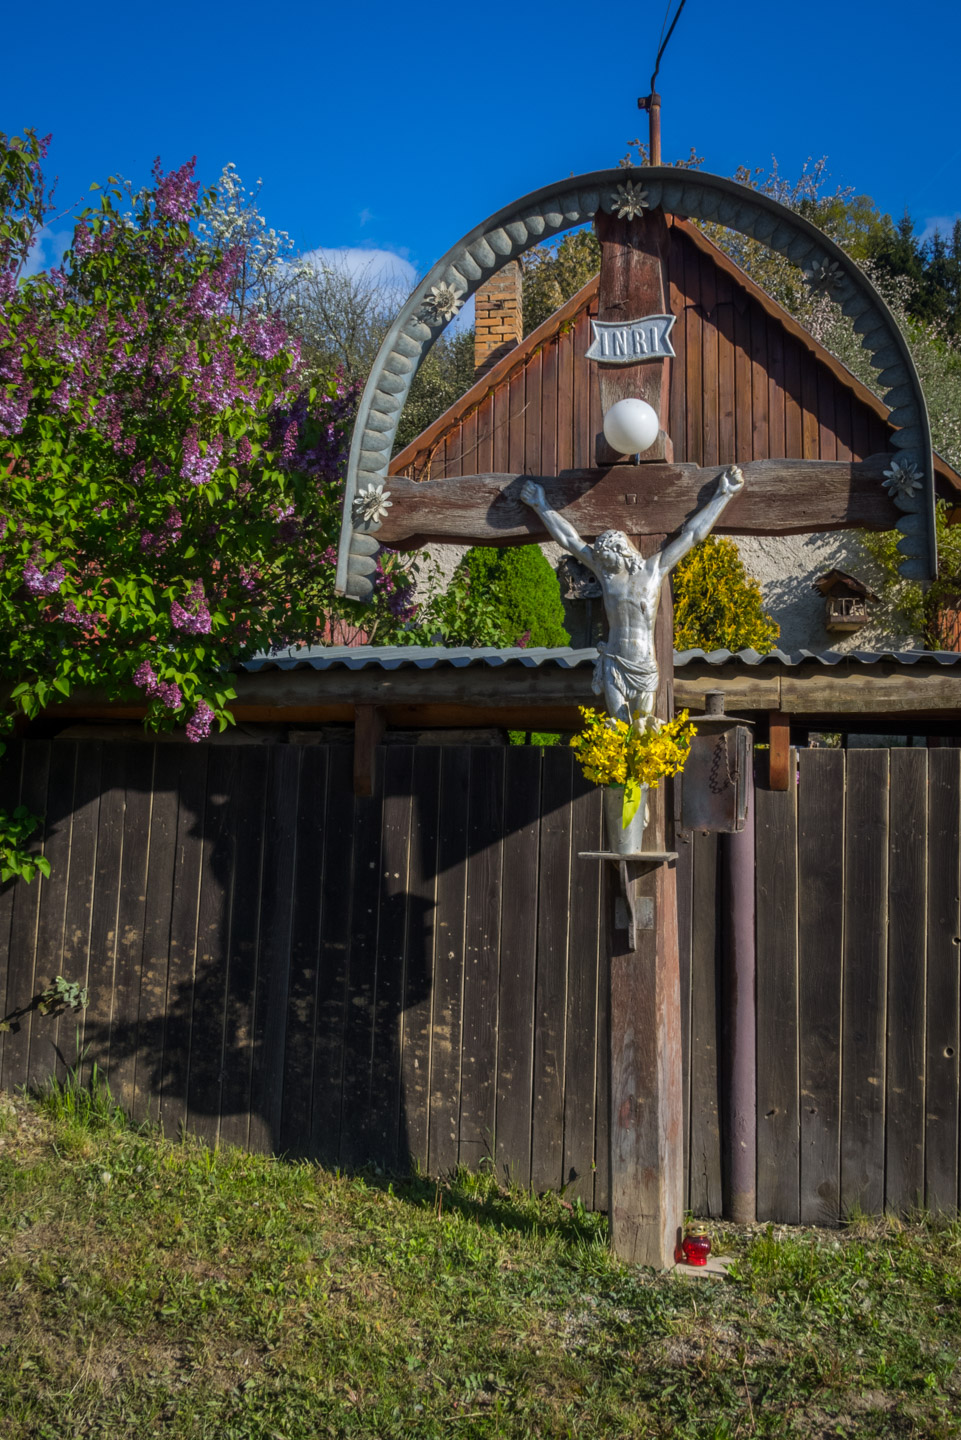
{"points": [[786, 568]]}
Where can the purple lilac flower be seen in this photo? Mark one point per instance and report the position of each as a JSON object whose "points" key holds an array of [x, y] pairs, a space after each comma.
{"points": [[208, 298], [288, 448], [199, 468], [267, 336], [176, 193], [40, 584], [144, 678], [168, 692], [244, 454], [195, 621], [198, 728], [13, 407], [72, 616]]}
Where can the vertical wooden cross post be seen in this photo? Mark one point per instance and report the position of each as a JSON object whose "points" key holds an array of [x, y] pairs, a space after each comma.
{"points": [[646, 1121]]}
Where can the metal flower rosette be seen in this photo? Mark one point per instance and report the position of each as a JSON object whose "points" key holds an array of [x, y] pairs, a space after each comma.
{"points": [[629, 759]]}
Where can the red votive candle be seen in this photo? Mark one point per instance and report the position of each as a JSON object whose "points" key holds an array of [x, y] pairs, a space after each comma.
{"points": [[696, 1245]]}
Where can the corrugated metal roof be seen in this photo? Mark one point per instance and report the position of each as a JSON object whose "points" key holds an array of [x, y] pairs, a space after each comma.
{"points": [[429, 657]]}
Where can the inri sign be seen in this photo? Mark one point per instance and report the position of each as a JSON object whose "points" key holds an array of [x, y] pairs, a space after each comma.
{"points": [[624, 342]]}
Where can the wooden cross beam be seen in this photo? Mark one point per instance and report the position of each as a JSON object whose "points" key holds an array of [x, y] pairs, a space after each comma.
{"points": [[781, 497]]}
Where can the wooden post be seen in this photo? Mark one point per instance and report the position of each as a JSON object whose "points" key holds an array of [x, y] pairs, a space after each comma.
{"points": [[633, 284], [739, 1130], [369, 727], [779, 735], [646, 1123]]}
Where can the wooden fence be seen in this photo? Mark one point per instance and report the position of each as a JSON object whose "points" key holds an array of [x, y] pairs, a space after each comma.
{"points": [[421, 974], [859, 941], [276, 963]]}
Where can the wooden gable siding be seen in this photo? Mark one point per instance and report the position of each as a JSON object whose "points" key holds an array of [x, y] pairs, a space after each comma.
{"points": [[748, 384], [744, 387]]}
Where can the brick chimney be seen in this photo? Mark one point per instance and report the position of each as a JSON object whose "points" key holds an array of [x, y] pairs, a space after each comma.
{"points": [[498, 317]]}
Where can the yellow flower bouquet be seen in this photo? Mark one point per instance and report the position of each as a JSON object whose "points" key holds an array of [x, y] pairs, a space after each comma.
{"points": [[636, 755]]}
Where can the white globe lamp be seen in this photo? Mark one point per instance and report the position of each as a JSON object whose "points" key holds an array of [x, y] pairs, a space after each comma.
{"points": [[631, 427]]}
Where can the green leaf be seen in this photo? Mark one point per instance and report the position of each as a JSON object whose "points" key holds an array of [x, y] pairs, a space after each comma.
{"points": [[632, 803]]}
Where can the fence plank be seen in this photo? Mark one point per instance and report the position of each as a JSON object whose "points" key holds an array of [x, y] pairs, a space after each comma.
{"points": [[106, 892], [518, 960], [484, 880], [942, 1032], [778, 1165], [865, 954], [305, 930], [420, 947], [331, 1018], [156, 932], [244, 950], [175, 1064], [273, 971], [22, 980], [907, 903], [685, 897], [10, 771], [705, 1161], [46, 1031], [362, 972], [445, 1048], [124, 1024], [820, 847], [550, 1005], [384, 1096], [602, 1102], [79, 908], [220, 840], [582, 1054]]}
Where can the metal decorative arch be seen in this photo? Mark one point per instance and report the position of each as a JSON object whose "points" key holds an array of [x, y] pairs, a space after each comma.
{"points": [[575, 201]]}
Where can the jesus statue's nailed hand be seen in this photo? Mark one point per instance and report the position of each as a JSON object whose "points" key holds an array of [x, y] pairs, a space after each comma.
{"points": [[731, 481], [533, 494]]}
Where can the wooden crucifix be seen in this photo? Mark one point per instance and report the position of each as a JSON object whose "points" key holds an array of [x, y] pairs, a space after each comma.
{"points": [[631, 556], [657, 507]]}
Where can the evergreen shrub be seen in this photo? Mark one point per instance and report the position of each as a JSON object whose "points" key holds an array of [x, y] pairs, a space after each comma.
{"points": [[717, 605]]}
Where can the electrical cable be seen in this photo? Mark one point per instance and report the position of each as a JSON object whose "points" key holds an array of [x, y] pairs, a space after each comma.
{"points": [[657, 62], [667, 11]]}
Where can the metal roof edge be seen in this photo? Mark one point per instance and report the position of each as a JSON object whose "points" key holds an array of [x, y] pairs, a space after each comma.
{"points": [[396, 657]]}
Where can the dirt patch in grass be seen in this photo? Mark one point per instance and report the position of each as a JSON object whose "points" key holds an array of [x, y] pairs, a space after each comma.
{"points": [[25, 1133]]}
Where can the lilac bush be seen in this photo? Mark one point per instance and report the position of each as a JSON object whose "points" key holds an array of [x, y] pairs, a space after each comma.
{"points": [[171, 487]]}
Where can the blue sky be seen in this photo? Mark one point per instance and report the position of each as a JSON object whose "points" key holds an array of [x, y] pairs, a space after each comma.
{"points": [[397, 128]]}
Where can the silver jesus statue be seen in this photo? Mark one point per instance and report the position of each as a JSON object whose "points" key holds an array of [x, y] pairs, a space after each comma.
{"points": [[626, 670]]}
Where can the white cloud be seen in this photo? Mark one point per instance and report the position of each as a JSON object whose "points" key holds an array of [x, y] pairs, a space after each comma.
{"points": [[47, 250], [386, 270], [378, 267], [942, 223]]}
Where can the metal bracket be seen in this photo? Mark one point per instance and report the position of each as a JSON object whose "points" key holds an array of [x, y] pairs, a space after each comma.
{"points": [[632, 913]]}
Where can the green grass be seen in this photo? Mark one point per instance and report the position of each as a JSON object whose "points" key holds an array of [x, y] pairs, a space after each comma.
{"points": [[156, 1287]]}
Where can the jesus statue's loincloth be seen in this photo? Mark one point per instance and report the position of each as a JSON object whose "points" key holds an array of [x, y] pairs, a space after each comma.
{"points": [[615, 674]]}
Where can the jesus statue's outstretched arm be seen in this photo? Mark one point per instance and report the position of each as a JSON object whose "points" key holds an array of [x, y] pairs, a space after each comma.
{"points": [[556, 526], [702, 523]]}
